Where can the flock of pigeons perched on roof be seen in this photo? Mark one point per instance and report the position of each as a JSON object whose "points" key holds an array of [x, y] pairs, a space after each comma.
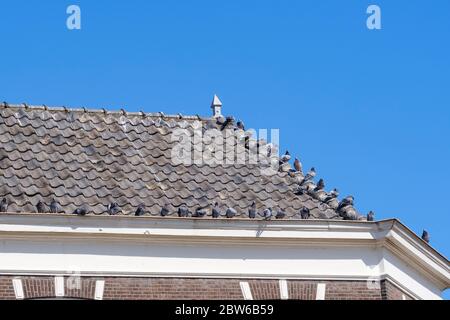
{"points": [[305, 185], [183, 211]]}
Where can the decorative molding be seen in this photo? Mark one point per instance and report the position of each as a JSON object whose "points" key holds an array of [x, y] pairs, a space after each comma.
{"points": [[59, 286], [246, 291], [435, 269], [401, 287], [18, 288], [366, 240], [321, 289], [99, 288], [284, 293]]}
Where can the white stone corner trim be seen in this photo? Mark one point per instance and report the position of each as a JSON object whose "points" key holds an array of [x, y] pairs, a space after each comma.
{"points": [[18, 288], [59, 286], [321, 288], [246, 292], [99, 288], [284, 290]]}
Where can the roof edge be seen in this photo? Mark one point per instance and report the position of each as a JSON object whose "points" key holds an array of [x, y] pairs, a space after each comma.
{"points": [[103, 111], [383, 226]]}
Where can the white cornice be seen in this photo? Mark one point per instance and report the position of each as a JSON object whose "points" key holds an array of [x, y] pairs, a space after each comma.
{"points": [[388, 234], [193, 226], [125, 228], [413, 250]]}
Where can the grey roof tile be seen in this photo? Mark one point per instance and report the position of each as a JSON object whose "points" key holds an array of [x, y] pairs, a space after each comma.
{"points": [[93, 158]]}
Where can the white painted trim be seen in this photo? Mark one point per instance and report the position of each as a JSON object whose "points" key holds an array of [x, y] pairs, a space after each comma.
{"points": [[284, 293], [18, 288], [401, 287], [419, 255], [246, 292], [325, 277], [127, 274], [50, 233], [59, 286], [99, 288], [321, 288]]}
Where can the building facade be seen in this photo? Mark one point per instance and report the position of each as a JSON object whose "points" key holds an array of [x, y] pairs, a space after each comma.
{"points": [[96, 207]]}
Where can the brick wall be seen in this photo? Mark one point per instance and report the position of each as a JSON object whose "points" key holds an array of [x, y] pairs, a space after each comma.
{"points": [[338, 290], [265, 289], [390, 292], [38, 287], [83, 289], [6, 288], [123, 288], [352, 290], [171, 288], [302, 290]]}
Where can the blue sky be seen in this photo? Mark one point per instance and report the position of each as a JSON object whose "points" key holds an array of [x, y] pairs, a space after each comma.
{"points": [[369, 109]]}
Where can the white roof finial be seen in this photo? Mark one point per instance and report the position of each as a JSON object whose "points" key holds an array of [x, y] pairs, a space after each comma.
{"points": [[216, 102], [216, 105]]}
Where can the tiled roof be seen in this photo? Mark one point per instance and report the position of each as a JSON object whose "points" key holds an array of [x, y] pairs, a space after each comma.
{"points": [[94, 158]]}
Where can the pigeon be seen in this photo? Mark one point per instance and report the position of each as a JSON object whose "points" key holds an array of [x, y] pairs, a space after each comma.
{"points": [[320, 185], [54, 207], [280, 214], [269, 150], [81, 211], [240, 125], [300, 190], [297, 165], [40, 207], [252, 211], [304, 213], [4, 205], [247, 143], [199, 213], [267, 214], [286, 157], [231, 213], [332, 195], [183, 211], [220, 120], [113, 208], [228, 121], [164, 211], [215, 210], [371, 216], [140, 211], [310, 175], [348, 201], [426, 236]]}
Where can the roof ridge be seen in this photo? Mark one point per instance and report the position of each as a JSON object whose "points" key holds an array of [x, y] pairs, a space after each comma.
{"points": [[104, 111]]}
